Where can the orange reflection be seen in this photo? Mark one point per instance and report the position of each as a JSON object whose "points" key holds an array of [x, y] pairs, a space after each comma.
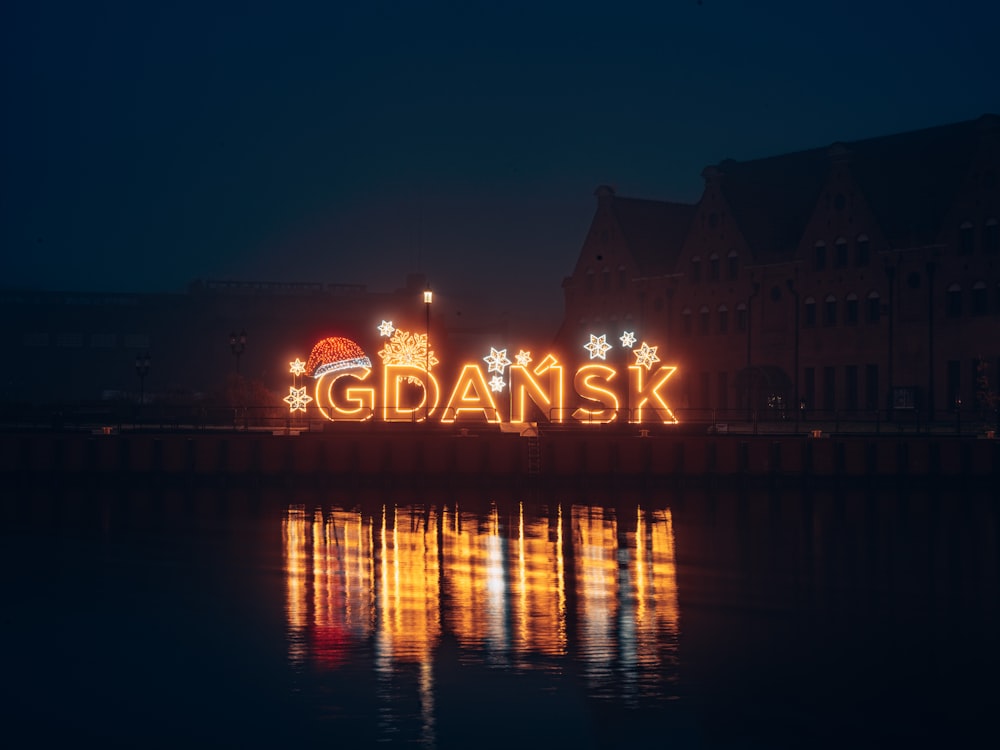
{"points": [[501, 584]]}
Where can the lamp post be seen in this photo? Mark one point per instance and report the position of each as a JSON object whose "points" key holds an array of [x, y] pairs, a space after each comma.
{"points": [[237, 344], [428, 298], [142, 370]]}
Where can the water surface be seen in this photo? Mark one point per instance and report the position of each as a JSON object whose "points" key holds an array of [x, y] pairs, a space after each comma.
{"points": [[691, 618]]}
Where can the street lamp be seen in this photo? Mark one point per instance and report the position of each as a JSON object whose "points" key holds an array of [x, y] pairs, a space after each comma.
{"points": [[237, 345], [142, 370], [428, 298]]}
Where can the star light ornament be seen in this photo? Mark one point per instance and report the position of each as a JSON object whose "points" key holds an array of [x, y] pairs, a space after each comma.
{"points": [[645, 355], [523, 358], [598, 346], [497, 383], [497, 360], [297, 367], [297, 398], [386, 328], [627, 338]]}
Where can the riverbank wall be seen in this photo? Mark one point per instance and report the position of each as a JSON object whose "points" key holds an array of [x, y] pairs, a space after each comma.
{"points": [[399, 456]]}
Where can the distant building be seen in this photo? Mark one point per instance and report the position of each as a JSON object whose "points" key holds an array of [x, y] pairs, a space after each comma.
{"points": [[857, 277], [83, 346]]}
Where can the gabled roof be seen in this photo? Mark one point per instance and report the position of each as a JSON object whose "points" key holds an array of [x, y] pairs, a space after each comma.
{"points": [[654, 231], [909, 181], [772, 199]]}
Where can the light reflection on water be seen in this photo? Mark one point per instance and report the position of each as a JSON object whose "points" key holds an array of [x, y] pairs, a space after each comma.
{"points": [[699, 618], [499, 586]]}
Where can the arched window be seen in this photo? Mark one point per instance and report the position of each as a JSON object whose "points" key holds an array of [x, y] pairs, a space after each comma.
{"points": [[696, 269], [830, 310], [851, 310], [741, 317], [590, 281], [810, 312], [819, 256], [723, 319], [840, 253], [606, 280], [622, 278], [862, 254], [713, 267], [991, 236], [980, 303], [703, 320], [733, 261], [966, 239], [686, 321], [874, 307], [954, 301]]}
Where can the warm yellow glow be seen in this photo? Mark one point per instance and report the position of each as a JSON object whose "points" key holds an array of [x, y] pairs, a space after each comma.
{"points": [[428, 296], [471, 395], [589, 382], [642, 393], [547, 397], [355, 404], [296, 604], [505, 585], [297, 399], [393, 407]]}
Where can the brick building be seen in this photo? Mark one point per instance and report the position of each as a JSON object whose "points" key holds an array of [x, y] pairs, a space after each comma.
{"points": [[860, 277]]}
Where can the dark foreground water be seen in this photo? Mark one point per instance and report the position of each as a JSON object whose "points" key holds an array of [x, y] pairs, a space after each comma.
{"points": [[685, 619]]}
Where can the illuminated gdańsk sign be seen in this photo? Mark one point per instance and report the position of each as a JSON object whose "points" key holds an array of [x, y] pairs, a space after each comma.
{"points": [[345, 389]]}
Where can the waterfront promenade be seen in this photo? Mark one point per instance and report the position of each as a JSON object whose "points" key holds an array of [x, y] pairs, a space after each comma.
{"points": [[398, 454]]}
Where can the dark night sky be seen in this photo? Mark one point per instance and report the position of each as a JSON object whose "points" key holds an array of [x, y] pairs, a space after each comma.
{"points": [[148, 145]]}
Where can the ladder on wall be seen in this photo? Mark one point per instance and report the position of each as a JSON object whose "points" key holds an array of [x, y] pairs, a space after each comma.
{"points": [[534, 455]]}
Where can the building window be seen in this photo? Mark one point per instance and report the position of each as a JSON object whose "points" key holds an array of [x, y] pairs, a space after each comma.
{"points": [[734, 264], [741, 318], [851, 310], [840, 253], [819, 257], [966, 240], [622, 278], [696, 269], [874, 307], [703, 320], [808, 394], [871, 387], [863, 251], [723, 383], [954, 301], [590, 281], [954, 371], [851, 386], [686, 318], [713, 267], [980, 303], [606, 281], [991, 236], [830, 311], [723, 319], [810, 310], [829, 388], [704, 383]]}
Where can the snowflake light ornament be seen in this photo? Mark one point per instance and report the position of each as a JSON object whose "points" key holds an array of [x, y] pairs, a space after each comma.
{"points": [[627, 338], [297, 398], [523, 358], [297, 367], [645, 355], [598, 346], [497, 360], [386, 328], [405, 348], [496, 384]]}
